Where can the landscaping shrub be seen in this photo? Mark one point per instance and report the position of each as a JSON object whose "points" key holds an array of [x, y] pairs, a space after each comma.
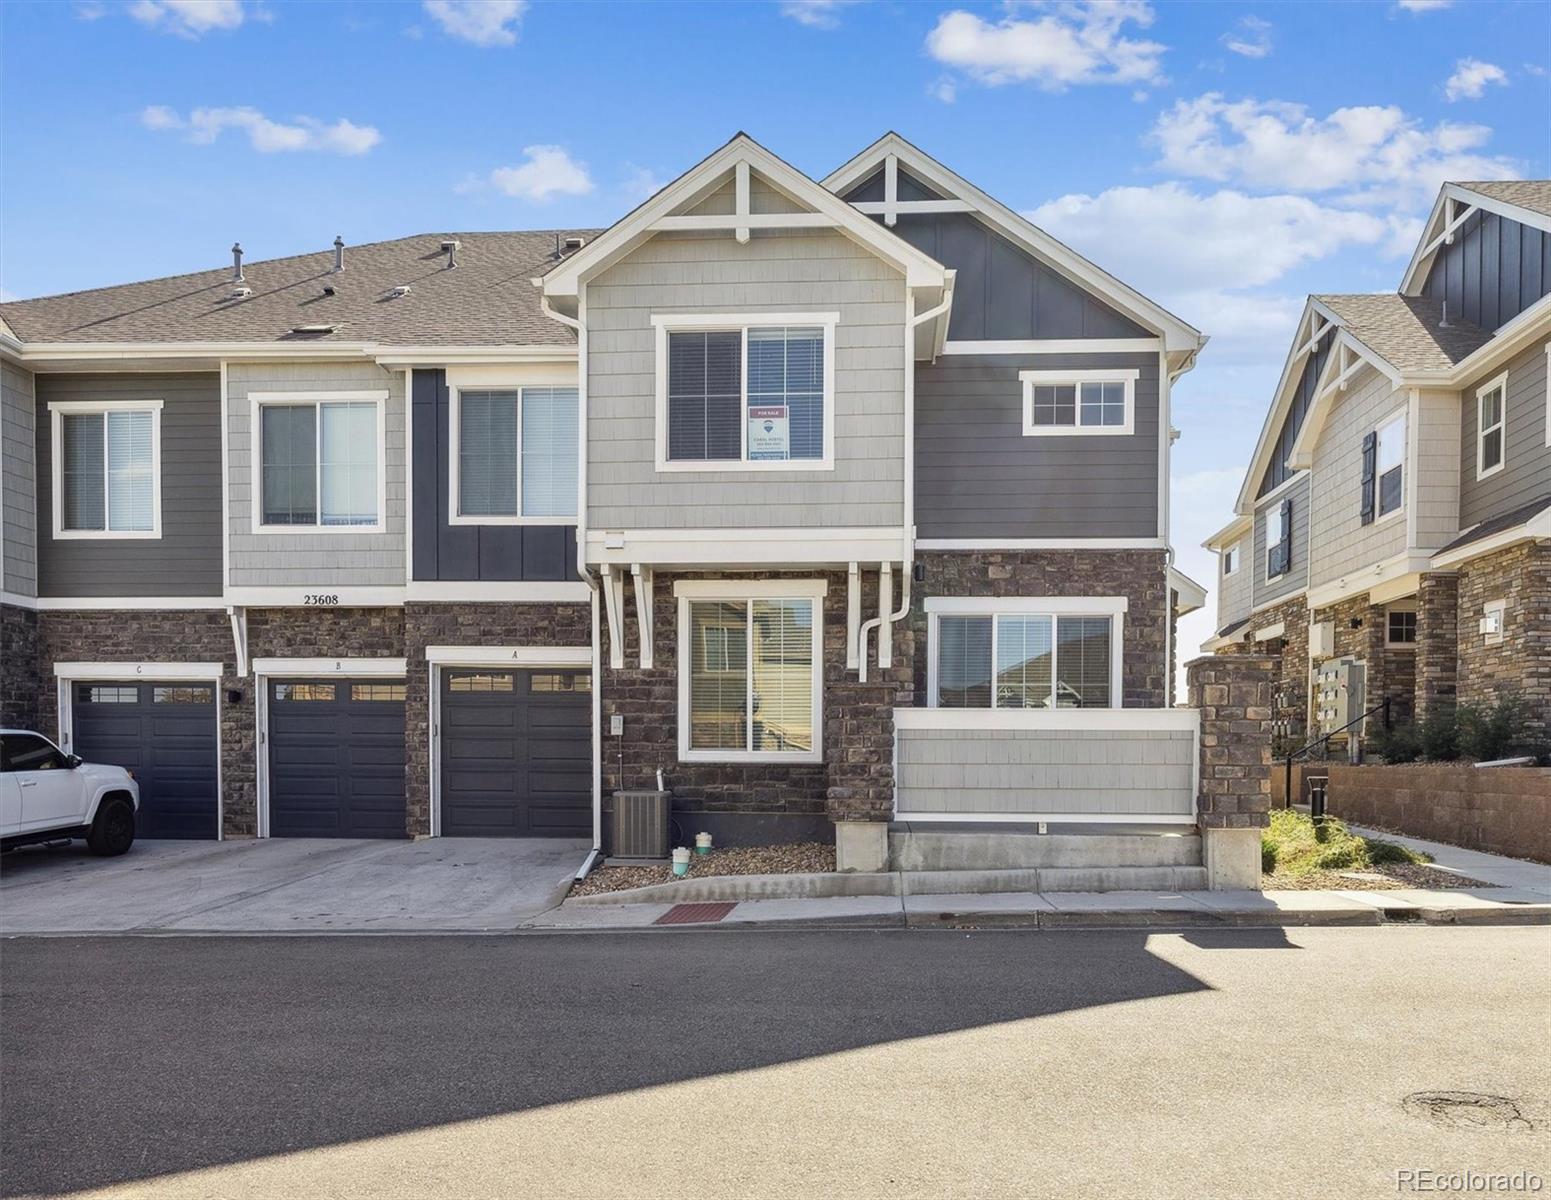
{"points": [[1480, 732], [1295, 844]]}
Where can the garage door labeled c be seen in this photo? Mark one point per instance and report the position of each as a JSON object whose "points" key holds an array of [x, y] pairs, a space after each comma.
{"points": [[336, 758], [516, 753], [166, 734]]}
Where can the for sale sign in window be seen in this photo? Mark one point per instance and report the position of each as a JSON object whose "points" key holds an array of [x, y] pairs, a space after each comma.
{"points": [[769, 435]]}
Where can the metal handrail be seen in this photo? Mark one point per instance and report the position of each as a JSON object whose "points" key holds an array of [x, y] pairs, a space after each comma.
{"points": [[1323, 740]]}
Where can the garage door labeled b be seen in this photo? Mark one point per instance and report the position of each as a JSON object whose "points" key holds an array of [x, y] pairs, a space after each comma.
{"points": [[516, 753], [336, 758], [166, 734]]}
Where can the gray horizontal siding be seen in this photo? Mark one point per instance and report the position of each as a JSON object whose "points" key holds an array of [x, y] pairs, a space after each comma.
{"points": [[186, 559], [1029, 772], [333, 559], [978, 476], [807, 272], [1527, 473], [1493, 271], [442, 551], [1297, 574], [18, 511], [1233, 591]]}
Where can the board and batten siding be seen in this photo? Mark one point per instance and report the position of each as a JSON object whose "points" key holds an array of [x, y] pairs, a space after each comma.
{"points": [[1296, 576], [312, 559], [18, 508], [979, 476], [1340, 542], [1031, 772], [186, 559], [1492, 271], [1233, 591], [807, 272], [1526, 474]]}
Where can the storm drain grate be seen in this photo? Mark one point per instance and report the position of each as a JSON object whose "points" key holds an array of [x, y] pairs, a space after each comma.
{"points": [[695, 914]]}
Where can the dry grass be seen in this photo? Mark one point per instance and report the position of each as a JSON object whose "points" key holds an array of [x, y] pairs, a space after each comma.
{"points": [[801, 857]]}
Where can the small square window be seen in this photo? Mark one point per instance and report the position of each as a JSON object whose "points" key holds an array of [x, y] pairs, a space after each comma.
{"points": [[97, 693], [1402, 629], [182, 693], [377, 691], [309, 693], [480, 681], [567, 682]]}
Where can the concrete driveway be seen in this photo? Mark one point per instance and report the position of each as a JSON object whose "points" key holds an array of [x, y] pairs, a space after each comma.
{"points": [[286, 885]]}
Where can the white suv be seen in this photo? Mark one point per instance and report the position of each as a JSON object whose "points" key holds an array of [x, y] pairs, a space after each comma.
{"points": [[47, 795]]}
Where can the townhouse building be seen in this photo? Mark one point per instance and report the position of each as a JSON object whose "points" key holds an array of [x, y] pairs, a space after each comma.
{"points": [[817, 503], [1392, 537]]}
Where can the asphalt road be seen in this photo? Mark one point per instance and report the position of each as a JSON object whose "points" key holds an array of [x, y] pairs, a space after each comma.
{"points": [[1250, 1063]]}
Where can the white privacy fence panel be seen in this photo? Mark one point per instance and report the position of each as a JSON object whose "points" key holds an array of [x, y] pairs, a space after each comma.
{"points": [[1069, 764]]}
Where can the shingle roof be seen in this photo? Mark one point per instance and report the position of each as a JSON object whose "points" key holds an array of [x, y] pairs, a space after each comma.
{"points": [[1407, 332], [1232, 627], [487, 299], [1533, 194], [1500, 524]]}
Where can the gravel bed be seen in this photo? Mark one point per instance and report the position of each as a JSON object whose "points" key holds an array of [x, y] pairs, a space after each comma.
{"points": [[802, 857], [1383, 878]]}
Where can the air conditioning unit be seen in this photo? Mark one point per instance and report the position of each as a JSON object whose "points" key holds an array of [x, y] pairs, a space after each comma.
{"points": [[640, 827]]}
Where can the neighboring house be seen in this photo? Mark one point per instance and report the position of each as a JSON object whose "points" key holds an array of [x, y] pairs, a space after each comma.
{"points": [[1397, 512], [462, 534]]}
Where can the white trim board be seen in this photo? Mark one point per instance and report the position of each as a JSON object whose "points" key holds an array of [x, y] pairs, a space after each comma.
{"points": [[510, 656], [343, 668], [483, 592], [126, 603], [1013, 605], [1015, 543], [148, 671], [1107, 719], [1148, 345], [1050, 818]]}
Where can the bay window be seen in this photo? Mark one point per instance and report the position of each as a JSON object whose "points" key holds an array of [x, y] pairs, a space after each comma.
{"points": [[749, 670], [745, 392], [1051, 652], [320, 460], [107, 469], [1067, 403], [516, 456]]}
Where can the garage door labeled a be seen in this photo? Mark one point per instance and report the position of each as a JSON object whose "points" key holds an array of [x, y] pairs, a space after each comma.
{"points": [[516, 753], [336, 758], [166, 734]]}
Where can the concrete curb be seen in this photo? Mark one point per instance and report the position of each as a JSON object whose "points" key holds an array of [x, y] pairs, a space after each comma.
{"points": [[795, 886]]}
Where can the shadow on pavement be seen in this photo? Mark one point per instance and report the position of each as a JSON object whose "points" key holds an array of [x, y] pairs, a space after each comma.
{"points": [[128, 1058]]}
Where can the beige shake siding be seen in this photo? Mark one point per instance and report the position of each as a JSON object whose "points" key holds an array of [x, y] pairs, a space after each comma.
{"points": [[1433, 489], [801, 272], [17, 479], [1233, 599]]}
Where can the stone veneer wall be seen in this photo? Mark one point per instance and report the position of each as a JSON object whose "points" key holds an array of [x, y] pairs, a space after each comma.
{"points": [[1436, 668], [1139, 575], [1292, 684], [19, 684], [855, 780], [1519, 665], [1390, 673], [1234, 694], [499, 624]]}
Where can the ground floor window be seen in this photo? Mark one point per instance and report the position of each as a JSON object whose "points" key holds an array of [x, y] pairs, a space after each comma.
{"points": [[1025, 652], [749, 670]]}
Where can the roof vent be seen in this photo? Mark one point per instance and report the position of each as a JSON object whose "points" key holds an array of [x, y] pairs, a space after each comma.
{"points": [[1444, 324], [402, 289], [312, 330], [574, 242], [339, 253], [330, 290], [450, 248], [241, 292], [236, 262]]}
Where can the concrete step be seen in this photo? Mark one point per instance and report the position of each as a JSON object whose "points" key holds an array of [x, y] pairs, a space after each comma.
{"points": [[918, 849], [1054, 879]]}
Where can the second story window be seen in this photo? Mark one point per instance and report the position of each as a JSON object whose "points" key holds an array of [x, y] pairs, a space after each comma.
{"points": [[1491, 411], [516, 457], [1230, 559], [320, 461], [1078, 403], [745, 392], [107, 469], [1383, 470], [1279, 539]]}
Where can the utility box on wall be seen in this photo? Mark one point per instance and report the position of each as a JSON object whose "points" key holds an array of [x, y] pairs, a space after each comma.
{"points": [[1339, 692], [1322, 639]]}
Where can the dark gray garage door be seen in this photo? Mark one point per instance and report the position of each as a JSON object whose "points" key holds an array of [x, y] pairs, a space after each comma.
{"points": [[516, 750], [336, 758], [166, 734]]}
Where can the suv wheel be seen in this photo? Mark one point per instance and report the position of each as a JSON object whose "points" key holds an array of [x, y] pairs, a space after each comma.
{"points": [[113, 832]]}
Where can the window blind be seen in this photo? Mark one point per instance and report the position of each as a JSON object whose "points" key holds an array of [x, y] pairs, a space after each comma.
{"points": [[964, 662], [549, 452], [348, 463], [1023, 666], [487, 454], [705, 392], [84, 499], [718, 684], [1082, 662], [783, 674], [131, 488], [786, 368], [288, 436]]}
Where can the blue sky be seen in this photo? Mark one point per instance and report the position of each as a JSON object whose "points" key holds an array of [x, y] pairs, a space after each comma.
{"points": [[1224, 158]]}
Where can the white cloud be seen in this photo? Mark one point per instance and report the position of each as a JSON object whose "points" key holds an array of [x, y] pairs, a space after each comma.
{"points": [[1250, 36], [90, 11], [642, 184], [1470, 78], [1419, 6], [550, 171], [1069, 42], [816, 14], [204, 125], [1373, 154], [482, 22], [944, 90], [188, 18]]}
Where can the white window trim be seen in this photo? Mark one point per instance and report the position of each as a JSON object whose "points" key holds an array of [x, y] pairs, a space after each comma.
{"points": [[1548, 394], [1388, 641], [1234, 552], [260, 400], [1045, 378], [1113, 607], [1277, 509], [1381, 518], [58, 410], [454, 428], [1482, 471], [687, 591], [666, 323]]}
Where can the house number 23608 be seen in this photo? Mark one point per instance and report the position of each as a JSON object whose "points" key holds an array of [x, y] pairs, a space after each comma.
{"points": [[317, 599]]}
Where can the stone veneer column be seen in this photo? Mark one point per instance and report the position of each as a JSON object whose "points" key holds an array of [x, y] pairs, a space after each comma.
{"points": [[1234, 696], [1437, 642]]}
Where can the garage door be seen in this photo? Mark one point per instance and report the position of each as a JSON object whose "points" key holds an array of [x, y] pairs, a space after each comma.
{"points": [[166, 734], [516, 753], [336, 758]]}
